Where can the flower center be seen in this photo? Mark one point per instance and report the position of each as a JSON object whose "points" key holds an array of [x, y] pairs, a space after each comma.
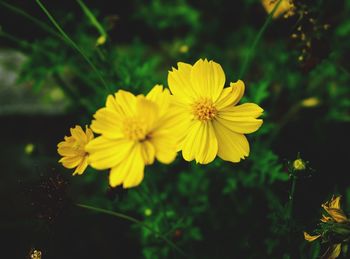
{"points": [[134, 129], [204, 110]]}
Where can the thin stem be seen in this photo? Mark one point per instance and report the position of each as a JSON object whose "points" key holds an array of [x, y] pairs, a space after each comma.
{"points": [[290, 213], [251, 51], [136, 221], [41, 24], [72, 43], [291, 196], [92, 18]]}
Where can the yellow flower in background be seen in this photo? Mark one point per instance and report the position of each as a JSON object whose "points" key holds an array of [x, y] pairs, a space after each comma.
{"points": [[310, 102], [134, 131], [337, 227], [211, 122], [73, 149], [285, 7]]}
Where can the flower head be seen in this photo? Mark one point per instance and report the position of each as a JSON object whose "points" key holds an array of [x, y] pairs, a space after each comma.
{"points": [[299, 164], [211, 122], [286, 7], [334, 228], [73, 149], [134, 131]]}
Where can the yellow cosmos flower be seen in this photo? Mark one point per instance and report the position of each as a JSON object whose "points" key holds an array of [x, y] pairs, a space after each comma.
{"points": [[339, 228], [134, 131], [285, 7], [211, 122], [73, 149]]}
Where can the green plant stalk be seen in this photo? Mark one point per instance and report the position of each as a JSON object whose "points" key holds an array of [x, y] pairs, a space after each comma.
{"points": [[136, 221], [290, 213], [73, 44], [41, 24], [92, 18], [251, 52]]}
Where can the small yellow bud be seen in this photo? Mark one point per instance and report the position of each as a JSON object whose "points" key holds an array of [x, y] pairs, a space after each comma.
{"points": [[56, 94], [29, 148], [299, 164], [184, 48], [310, 102], [148, 212], [101, 40], [35, 254]]}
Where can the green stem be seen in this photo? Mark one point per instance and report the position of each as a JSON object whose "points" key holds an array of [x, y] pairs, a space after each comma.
{"points": [[290, 214], [251, 51], [291, 196], [72, 43], [136, 221], [41, 24]]}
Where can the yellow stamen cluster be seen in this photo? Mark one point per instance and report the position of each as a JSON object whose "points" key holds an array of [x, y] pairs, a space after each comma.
{"points": [[204, 110], [134, 129]]}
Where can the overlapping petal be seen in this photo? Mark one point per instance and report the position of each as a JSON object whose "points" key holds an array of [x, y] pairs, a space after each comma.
{"points": [[106, 153], [200, 143], [179, 81], [231, 95], [232, 146], [208, 78], [241, 118], [130, 172]]}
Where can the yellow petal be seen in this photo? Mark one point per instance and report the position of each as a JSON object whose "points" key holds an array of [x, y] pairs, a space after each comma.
{"points": [[200, 143], [230, 96], [310, 238], [208, 79], [176, 123], [232, 146], [89, 133], [106, 153], [160, 97], [179, 81], [325, 218], [70, 162], [241, 125], [165, 147], [65, 150], [78, 133], [335, 202], [126, 102], [251, 110], [82, 166], [337, 215], [148, 152], [241, 118], [108, 123], [147, 112], [128, 172]]}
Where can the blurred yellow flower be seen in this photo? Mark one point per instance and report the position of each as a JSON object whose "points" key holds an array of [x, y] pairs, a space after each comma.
{"points": [[285, 7], [211, 122], [134, 131], [310, 102], [73, 149], [29, 148]]}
